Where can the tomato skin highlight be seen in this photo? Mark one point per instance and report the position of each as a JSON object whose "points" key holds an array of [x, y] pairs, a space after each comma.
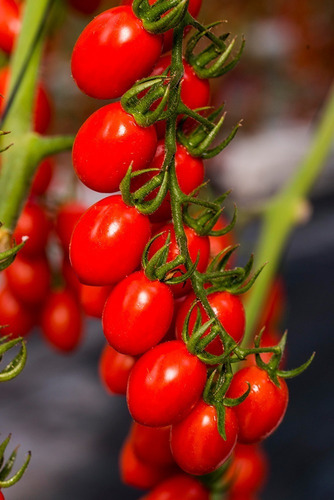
{"points": [[137, 314], [165, 384], [10, 24], [114, 370], [179, 487], [116, 35], [100, 249], [229, 310], [263, 409], [151, 444], [107, 144], [196, 444]]}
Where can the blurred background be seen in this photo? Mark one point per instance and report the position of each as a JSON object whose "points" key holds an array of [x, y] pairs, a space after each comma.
{"points": [[58, 408]]}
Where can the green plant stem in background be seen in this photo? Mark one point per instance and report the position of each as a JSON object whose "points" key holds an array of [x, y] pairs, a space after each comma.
{"points": [[19, 162], [283, 214]]}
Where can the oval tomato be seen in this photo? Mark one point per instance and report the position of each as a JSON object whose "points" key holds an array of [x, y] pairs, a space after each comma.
{"points": [[248, 470], [263, 409], [19, 318], [114, 370], [196, 444], [151, 444], [179, 487], [67, 216], [42, 177], [62, 321], [108, 241], [137, 314], [10, 24], [117, 143], [196, 245], [93, 299], [228, 309], [114, 36], [165, 384], [33, 222]]}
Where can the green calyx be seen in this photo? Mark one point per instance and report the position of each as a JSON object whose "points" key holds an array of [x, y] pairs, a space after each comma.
{"points": [[162, 16], [17, 364], [6, 467]]}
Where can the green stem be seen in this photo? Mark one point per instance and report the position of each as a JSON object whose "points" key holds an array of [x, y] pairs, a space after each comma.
{"points": [[284, 213]]}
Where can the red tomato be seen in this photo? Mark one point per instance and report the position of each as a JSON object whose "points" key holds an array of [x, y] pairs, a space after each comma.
{"points": [[165, 384], [108, 241], [10, 24], [229, 310], [67, 216], [263, 409], [33, 222], [195, 91], [1, 496], [43, 176], [189, 173], [114, 370], [219, 243], [29, 279], [61, 321], [19, 318], [93, 299], [196, 244], [196, 444], [114, 36], [151, 444], [248, 470], [42, 107], [69, 276], [137, 314], [85, 6], [118, 141], [179, 487], [139, 474]]}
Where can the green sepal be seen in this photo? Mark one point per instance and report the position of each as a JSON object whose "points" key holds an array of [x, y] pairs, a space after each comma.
{"points": [[231, 402], [162, 16], [15, 366], [8, 256]]}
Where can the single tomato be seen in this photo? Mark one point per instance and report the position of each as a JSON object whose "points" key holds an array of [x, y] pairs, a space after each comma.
{"points": [[16, 318], [93, 299], [178, 487], [248, 470], [114, 370], [67, 216], [42, 177], [151, 444], [10, 24], [33, 223]]}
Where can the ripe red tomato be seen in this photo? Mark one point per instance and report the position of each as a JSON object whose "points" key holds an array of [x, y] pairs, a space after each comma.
{"points": [[1, 496], [62, 321], [42, 177], [42, 107], [93, 299], [118, 141], [179, 487], [189, 173], [195, 91], [67, 216], [116, 35], [137, 314], [196, 444], [10, 24], [165, 384], [19, 318], [108, 241], [114, 370], [33, 222], [29, 278], [248, 470], [151, 444], [196, 245], [263, 409], [85, 6], [229, 310], [140, 474], [69, 276]]}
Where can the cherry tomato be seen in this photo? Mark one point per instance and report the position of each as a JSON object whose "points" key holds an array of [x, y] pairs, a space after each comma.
{"points": [[42, 107], [263, 409], [108, 241], [196, 444], [114, 370], [189, 173], [179, 487], [139, 474], [10, 24], [114, 36], [219, 243], [229, 310], [43, 176], [196, 245], [61, 321], [69, 276], [137, 314], [85, 6], [29, 278], [165, 384], [151, 444], [93, 299], [248, 470], [67, 216], [33, 222], [195, 91], [19, 318], [1, 496], [118, 142]]}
